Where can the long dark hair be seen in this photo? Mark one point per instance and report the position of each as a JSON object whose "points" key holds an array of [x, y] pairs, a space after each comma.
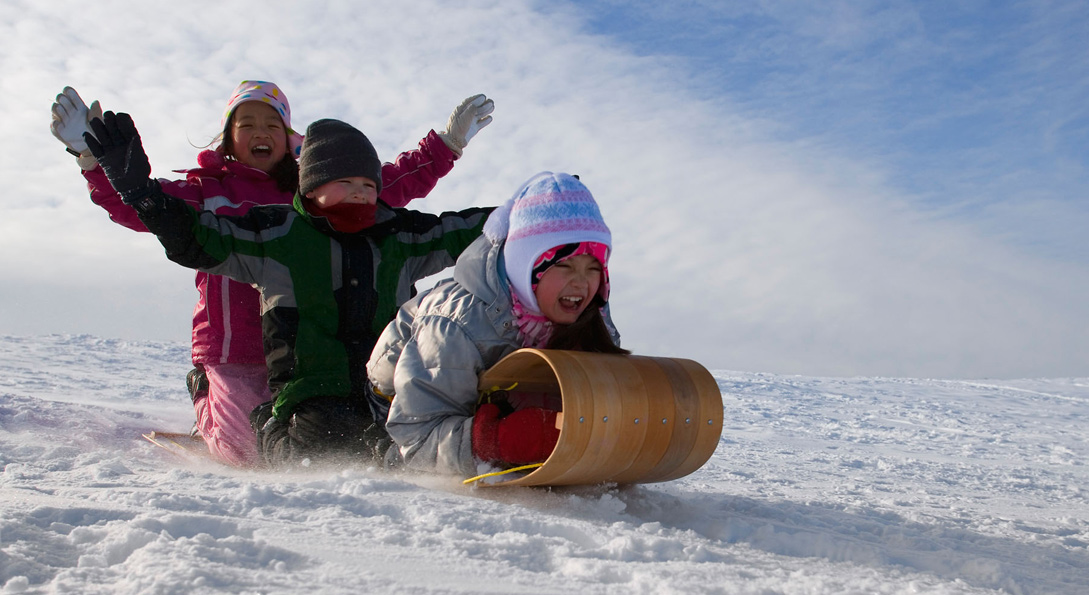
{"points": [[285, 173], [588, 333]]}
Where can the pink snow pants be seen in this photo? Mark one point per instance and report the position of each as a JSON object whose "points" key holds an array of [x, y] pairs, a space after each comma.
{"points": [[223, 417]]}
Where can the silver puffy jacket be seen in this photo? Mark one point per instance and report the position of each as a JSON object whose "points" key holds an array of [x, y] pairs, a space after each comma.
{"points": [[432, 353]]}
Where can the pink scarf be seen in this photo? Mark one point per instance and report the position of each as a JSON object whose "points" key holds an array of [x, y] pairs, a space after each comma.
{"points": [[535, 329]]}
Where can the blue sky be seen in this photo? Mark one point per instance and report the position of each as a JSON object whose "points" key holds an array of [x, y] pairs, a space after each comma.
{"points": [[965, 106], [836, 188]]}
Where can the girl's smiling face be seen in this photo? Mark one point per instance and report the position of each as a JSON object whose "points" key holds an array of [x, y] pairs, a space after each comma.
{"points": [[258, 135], [566, 288], [354, 190]]}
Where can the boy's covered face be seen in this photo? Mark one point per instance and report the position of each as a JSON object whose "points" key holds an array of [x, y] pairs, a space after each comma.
{"points": [[354, 190], [565, 289]]}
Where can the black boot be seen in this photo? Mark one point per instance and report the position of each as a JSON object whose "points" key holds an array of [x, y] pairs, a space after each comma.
{"points": [[197, 383]]}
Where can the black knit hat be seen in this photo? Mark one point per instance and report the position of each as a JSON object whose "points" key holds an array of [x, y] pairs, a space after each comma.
{"points": [[333, 150]]}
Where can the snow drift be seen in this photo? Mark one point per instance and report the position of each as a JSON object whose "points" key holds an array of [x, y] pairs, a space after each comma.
{"points": [[818, 485]]}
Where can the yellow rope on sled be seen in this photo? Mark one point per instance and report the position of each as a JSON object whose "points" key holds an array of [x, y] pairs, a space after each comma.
{"points": [[497, 473], [486, 395]]}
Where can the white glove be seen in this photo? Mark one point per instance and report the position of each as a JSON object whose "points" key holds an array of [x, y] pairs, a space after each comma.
{"points": [[71, 118], [466, 120]]}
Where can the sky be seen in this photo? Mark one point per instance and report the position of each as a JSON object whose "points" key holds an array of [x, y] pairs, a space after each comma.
{"points": [[836, 189]]}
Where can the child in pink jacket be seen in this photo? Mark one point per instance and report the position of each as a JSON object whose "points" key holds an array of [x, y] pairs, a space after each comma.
{"points": [[253, 164]]}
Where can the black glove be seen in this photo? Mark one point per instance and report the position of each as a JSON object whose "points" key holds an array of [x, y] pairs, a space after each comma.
{"points": [[117, 147]]}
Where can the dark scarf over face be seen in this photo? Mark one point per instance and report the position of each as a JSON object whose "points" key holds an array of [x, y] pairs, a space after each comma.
{"points": [[345, 217]]}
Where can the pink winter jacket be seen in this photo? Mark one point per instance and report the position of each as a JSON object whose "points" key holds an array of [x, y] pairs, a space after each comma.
{"points": [[227, 317]]}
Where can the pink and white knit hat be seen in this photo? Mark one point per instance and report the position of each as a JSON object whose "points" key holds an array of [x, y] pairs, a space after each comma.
{"points": [[268, 93], [549, 211]]}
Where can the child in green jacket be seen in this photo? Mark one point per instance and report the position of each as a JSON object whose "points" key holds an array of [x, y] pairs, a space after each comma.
{"points": [[332, 269]]}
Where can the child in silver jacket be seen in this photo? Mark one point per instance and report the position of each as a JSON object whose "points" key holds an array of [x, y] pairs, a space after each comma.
{"points": [[538, 277]]}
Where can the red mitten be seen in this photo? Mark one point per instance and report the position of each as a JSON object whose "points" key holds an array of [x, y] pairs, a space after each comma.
{"points": [[486, 433], [527, 436]]}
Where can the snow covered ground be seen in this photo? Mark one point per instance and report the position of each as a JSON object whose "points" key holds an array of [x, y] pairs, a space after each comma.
{"points": [[819, 485]]}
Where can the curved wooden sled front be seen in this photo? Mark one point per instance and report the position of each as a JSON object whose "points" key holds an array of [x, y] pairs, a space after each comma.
{"points": [[625, 418]]}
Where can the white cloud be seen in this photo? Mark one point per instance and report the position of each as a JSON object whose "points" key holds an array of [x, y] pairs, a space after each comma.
{"points": [[733, 247]]}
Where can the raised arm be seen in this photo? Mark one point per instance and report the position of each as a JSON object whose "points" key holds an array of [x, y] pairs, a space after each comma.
{"points": [[413, 174], [195, 240], [71, 119]]}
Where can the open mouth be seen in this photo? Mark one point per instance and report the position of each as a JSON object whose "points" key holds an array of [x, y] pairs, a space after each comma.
{"points": [[261, 151], [571, 303]]}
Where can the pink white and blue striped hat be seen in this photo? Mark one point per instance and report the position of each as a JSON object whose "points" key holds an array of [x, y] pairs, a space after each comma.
{"points": [[549, 211]]}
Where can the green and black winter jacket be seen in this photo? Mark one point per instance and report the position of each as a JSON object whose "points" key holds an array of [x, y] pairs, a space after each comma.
{"points": [[325, 295]]}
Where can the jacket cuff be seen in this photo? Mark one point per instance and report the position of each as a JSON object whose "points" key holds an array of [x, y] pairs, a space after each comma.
{"points": [[440, 147]]}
